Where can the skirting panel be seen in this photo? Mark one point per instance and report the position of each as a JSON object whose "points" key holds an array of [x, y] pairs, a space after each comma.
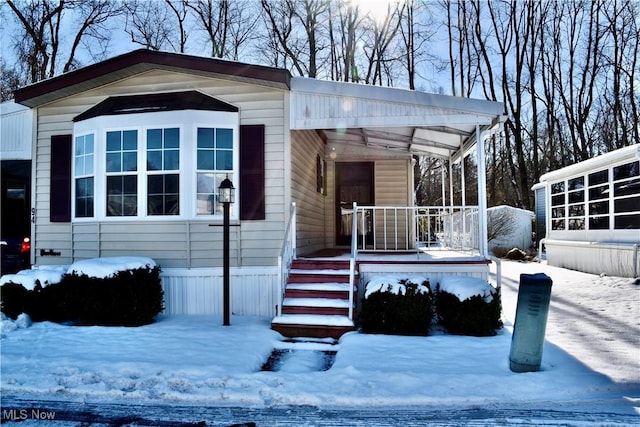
{"points": [[595, 258], [199, 291]]}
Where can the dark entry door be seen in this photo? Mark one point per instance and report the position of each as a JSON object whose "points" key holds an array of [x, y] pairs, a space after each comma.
{"points": [[354, 183]]}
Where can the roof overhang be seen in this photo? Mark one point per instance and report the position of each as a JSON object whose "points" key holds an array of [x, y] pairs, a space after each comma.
{"points": [[142, 60], [404, 121]]}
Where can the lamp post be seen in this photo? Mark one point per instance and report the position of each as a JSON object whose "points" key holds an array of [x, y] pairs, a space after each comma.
{"points": [[226, 196]]}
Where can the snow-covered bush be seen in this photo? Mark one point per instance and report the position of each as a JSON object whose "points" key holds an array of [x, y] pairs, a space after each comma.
{"points": [[397, 306], [468, 306], [124, 291]]}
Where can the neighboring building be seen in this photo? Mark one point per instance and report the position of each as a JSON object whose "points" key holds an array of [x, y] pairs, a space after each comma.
{"points": [[129, 154], [593, 214], [511, 226], [16, 143]]}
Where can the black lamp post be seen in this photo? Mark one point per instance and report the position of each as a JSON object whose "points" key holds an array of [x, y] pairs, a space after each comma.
{"points": [[226, 196]]}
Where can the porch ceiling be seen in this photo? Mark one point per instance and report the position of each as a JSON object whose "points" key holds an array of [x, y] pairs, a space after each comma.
{"points": [[391, 119]]}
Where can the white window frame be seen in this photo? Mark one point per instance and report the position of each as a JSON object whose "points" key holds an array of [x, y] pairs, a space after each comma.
{"points": [[187, 121]]}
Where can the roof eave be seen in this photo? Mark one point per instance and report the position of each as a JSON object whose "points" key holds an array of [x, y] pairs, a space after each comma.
{"points": [[141, 60]]}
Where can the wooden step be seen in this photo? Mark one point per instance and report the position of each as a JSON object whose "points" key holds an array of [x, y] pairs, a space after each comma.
{"points": [[314, 326], [318, 290], [322, 306], [318, 264], [318, 276]]}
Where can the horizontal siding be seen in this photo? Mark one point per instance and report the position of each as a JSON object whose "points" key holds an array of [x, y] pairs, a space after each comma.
{"points": [[306, 146], [173, 244]]}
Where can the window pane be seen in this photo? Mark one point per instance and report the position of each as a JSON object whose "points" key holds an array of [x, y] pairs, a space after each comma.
{"points": [[626, 171], [114, 162], [130, 161], [629, 204], [557, 200], [599, 208], [557, 212], [624, 222], [576, 210], [79, 166], [171, 138], [154, 160], [576, 183], [599, 177], [576, 197], [626, 188], [557, 187], [130, 205], [154, 139], [114, 141], [130, 185], [206, 183], [171, 160], [597, 193], [130, 140], [576, 224], [88, 143], [224, 160], [224, 138], [205, 204], [599, 223], [84, 197], [205, 159], [171, 184], [155, 184], [155, 205], [114, 185], [205, 138], [557, 224]]}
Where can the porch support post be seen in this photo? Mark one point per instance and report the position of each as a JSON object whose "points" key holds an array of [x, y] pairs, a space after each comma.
{"points": [[482, 194], [463, 198]]}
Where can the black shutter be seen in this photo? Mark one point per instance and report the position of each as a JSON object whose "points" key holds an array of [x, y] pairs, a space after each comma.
{"points": [[60, 193], [252, 192]]}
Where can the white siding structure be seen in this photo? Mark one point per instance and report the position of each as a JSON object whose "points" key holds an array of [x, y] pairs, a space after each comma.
{"points": [[16, 131], [593, 214]]}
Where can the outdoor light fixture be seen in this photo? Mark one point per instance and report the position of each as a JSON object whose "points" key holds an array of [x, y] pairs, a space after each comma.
{"points": [[226, 196], [226, 191]]}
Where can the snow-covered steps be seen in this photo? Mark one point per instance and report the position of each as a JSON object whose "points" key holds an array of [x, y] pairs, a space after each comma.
{"points": [[316, 300], [308, 325]]}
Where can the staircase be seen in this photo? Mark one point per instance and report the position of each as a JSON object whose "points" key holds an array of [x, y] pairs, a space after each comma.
{"points": [[316, 300]]}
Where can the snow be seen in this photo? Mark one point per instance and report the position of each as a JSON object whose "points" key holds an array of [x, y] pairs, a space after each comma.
{"points": [[466, 287], [95, 267], [591, 356], [395, 284]]}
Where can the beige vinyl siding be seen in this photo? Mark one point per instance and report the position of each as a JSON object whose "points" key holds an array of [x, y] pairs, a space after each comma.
{"points": [[306, 146], [180, 243]]}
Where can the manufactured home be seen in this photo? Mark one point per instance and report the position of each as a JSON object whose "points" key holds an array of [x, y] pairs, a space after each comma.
{"points": [[592, 214], [129, 154]]}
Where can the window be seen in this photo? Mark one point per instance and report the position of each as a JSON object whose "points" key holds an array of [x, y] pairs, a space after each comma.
{"points": [[83, 175], [163, 155], [214, 160], [626, 196], [121, 171], [611, 198]]}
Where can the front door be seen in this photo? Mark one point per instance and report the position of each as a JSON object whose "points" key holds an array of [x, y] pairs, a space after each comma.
{"points": [[354, 183]]}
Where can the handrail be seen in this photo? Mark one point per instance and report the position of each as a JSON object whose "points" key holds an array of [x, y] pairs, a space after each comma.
{"points": [[287, 254], [352, 258]]}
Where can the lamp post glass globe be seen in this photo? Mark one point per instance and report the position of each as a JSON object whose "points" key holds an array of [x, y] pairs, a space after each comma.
{"points": [[226, 191]]}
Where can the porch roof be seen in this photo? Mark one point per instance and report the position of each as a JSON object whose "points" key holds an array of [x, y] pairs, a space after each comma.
{"points": [[392, 119]]}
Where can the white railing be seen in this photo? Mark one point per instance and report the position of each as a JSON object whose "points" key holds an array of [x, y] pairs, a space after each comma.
{"points": [[286, 257], [352, 258], [408, 228]]}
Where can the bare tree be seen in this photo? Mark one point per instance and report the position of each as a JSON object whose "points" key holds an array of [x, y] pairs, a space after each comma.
{"points": [[42, 42], [381, 34], [149, 24]]}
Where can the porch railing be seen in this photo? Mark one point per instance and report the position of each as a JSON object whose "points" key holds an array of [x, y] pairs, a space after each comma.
{"points": [[287, 254], [408, 228]]}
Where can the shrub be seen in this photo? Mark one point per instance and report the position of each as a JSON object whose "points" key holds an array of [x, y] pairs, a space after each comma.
{"points": [[128, 298], [404, 309], [15, 299], [476, 315]]}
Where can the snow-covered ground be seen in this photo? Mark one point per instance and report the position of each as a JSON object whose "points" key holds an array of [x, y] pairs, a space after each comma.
{"points": [[591, 360]]}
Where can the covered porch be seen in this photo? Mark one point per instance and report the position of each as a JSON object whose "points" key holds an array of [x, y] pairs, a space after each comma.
{"points": [[374, 225]]}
